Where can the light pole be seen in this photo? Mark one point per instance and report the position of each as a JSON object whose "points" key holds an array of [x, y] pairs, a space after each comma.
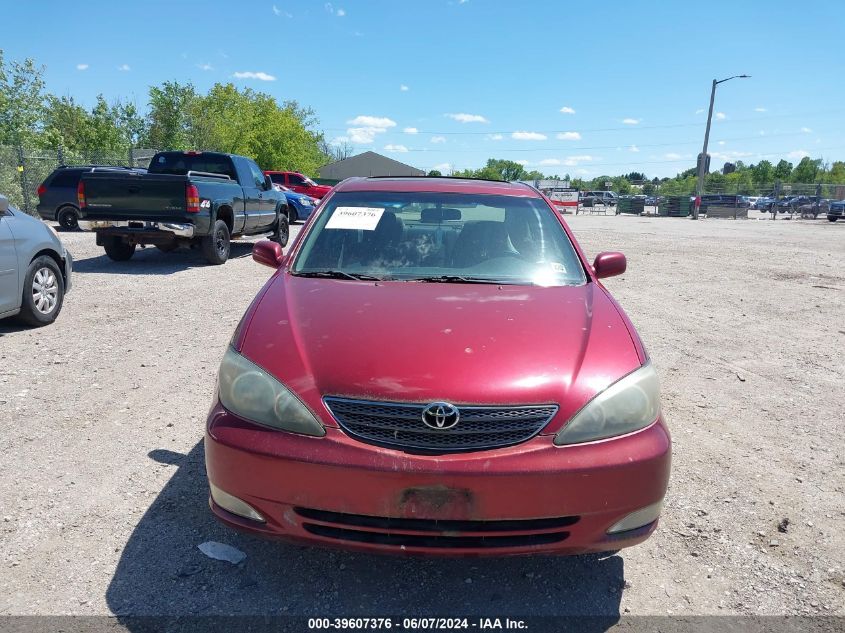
{"points": [[699, 189]]}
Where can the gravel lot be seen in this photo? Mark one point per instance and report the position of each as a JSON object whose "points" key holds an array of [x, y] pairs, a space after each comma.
{"points": [[103, 492]]}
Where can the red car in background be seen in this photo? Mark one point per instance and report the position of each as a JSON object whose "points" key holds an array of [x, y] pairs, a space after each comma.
{"points": [[297, 182], [435, 368]]}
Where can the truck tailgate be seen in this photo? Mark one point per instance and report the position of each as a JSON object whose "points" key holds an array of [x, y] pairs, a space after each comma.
{"points": [[152, 197]]}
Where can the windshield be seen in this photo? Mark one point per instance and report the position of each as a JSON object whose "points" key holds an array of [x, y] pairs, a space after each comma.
{"points": [[309, 182], [443, 237]]}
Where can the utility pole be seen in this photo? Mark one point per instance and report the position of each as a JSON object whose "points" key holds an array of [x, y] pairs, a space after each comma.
{"points": [[699, 189]]}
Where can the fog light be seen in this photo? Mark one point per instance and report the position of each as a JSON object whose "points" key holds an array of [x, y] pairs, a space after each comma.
{"points": [[234, 505], [637, 519]]}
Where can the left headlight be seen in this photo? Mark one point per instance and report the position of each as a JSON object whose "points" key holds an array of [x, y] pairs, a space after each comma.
{"points": [[305, 201], [250, 392], [628, 405]]}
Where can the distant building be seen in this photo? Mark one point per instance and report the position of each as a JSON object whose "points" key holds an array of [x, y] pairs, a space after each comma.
{"points": [[367, 164]]}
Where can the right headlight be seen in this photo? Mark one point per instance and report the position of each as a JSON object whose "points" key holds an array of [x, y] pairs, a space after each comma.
{"points": [[628, 405], [251, 393]]}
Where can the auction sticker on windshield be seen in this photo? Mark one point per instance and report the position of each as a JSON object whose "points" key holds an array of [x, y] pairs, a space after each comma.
{"points": [[363, 218]]}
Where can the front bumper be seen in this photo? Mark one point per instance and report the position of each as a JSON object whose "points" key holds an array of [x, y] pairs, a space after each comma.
{"points": [[526, 499]]}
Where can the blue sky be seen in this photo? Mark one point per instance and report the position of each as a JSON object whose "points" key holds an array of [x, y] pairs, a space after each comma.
{"points": [[584, 88]]}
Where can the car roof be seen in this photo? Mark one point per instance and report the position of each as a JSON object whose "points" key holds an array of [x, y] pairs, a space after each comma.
{"points": [[443, 184]]}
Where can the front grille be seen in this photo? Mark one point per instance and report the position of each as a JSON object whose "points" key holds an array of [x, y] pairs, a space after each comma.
{"points": [[400, 425], [435, 534]]}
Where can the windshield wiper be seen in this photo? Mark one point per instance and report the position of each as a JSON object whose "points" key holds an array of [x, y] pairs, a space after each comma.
{"points": [[337, 274], [458, 279]]}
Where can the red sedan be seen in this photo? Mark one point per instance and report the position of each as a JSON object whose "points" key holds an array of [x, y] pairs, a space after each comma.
{"points": [[435, 368]]}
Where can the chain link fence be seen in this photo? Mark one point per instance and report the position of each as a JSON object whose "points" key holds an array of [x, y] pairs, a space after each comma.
{"points": [[22, 169]]}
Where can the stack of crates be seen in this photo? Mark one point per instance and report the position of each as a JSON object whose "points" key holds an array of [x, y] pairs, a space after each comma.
{"points": [[630, 205], [676, 207]]}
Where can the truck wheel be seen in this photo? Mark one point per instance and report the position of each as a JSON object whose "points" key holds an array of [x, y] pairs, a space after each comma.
{"points": [[118, 250], [43, 292], [832, 218], [68, 219], [282, 233], [215, 247]]}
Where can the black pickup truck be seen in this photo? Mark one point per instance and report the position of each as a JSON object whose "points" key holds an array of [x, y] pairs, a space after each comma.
{"points": [[197, 199]]}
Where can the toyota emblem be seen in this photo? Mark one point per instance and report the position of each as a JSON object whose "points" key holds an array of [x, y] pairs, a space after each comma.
{"points": [[440, 416]]}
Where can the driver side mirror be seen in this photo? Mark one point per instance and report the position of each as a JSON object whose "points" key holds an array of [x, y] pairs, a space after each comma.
{"points": [[268, 253], [4, 205], [609, 264], [268, 183]]}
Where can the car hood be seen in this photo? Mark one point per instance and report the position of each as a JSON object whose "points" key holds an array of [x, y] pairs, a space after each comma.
{"points": [[297, 197], [423, 342]]}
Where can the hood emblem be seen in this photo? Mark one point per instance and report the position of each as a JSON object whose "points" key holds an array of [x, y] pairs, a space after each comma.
{"points": [[441, 416]]}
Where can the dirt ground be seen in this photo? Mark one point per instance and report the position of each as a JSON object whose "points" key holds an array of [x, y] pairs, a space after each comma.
{"points": [[103, 492]]}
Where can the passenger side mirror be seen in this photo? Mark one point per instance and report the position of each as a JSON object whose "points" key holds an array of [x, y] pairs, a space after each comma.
{"points": [[268, 253], [268, 183], [609, 264]]}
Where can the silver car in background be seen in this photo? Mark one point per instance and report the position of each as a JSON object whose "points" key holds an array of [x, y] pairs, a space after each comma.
{"points": [[35, 268]]}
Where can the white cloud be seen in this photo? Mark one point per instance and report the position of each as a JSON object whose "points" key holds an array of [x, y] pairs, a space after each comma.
{"points": [[759, 109], [569, 136], [630, 121], [334, 11], [124, 68], [372, 121], [404, 88], [575, 160], [634, 148], [365, 128], [82, 67], [521, 162], [806, 130], [567, 110], [528, 136], [411, 130], [549, 162], [798, 154], [205, 66], [721, 116], [248, 74], [721, 142], [277, 11], [462, 117], [495, 137], [730, 156], [438, 139], [672, 156], [700, 111], [395, 148]]}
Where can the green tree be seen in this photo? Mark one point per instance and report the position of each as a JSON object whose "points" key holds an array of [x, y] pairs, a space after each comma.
{"points": [[434, 173], [169, 124], [806, 171], [782, 170], [21, 101], [763, 173]]}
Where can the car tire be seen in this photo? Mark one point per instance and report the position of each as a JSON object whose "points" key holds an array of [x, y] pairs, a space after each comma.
{"points": [[118, 250], [68, 218], [43, 292], [293, 216], [216, 247], [282, 233], [830, 219]]}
